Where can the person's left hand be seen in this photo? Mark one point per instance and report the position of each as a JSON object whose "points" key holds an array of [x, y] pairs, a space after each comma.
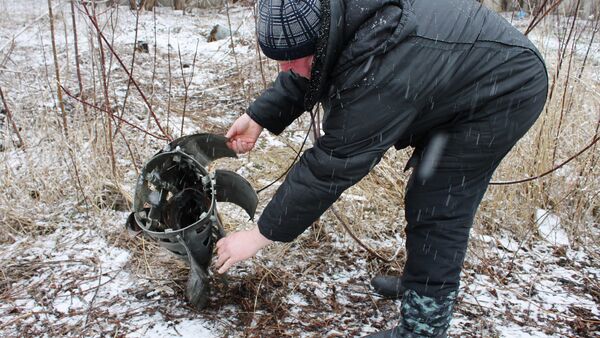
{"points": [[239, 246], [243, 134]]}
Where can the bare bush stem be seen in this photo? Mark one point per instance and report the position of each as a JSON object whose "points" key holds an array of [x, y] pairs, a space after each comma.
{"points": [[186, 84], [107, 106], [237, 65], [370, 250], [135, 39], [109, 46], [566, 84], [10, 117], [91, 105], [57, 71], [78, 185], [258, 52], [170, 78], [77, 61], [537, 18], [590, 145]]}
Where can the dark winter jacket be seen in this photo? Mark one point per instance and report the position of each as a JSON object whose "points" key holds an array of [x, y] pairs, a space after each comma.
{"points": [[387, 73]]}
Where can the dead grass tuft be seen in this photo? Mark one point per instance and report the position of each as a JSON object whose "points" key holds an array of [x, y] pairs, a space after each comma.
{"points": [[114, 197], [18, 223]]}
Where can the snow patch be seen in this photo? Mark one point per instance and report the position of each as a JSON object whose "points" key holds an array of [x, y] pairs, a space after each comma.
{"points": [[549, 228]]}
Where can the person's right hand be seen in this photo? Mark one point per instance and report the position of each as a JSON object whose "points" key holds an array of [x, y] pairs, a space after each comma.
{"points": [[239, 246], [243, 134]]}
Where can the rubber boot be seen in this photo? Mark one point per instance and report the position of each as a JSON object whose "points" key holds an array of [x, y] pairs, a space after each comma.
{"points": [[422, 316], [388, 286]]}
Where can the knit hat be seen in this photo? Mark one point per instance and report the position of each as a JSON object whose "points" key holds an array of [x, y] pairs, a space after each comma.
{"points": [[288, 29]]}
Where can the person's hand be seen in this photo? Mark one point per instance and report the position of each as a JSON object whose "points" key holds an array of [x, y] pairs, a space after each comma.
{"points": [[243, 134], [239, 246]]}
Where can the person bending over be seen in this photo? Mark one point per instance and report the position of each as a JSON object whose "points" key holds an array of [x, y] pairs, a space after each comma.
{"points": [[449, 78]]}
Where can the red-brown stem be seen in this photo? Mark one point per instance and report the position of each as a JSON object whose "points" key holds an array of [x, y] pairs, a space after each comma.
{"points": [[79, 186], [97, 28], [591, 144], [10, 117], [137, 20], [77, 61], [237, 65], [186, 85], [170, 80], [566, 84], [538, 18], [91, 105], [56, 68], [154, 57], [105, 84], [154, 74], [590, 44], [107, 106], [260, 62]]}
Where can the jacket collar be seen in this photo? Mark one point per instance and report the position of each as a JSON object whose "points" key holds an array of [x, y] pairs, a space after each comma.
{"points": [[329, 45]]}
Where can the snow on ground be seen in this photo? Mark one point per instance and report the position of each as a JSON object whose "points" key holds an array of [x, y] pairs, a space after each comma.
{"points": [[86, 277], [75, 278]]}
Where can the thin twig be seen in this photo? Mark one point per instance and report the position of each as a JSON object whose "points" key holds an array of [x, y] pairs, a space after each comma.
{"points": [[107, 106], [566, 84], [346, 226], [155, 60], [133, 53], [77, 61], [537, 18], [237, 65], [97, 28], [87, 316], [170, 77], [186, 85], [7, 55], [91, 105], [57, 70], [591, 144], [258, 51], [10, 117], [79, 186]]}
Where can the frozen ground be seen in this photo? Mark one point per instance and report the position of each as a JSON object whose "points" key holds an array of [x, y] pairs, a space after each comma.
{"points": [[81, 274]]}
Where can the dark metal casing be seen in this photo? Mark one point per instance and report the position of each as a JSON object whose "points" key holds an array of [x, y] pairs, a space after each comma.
{"points": [[175, 203]]}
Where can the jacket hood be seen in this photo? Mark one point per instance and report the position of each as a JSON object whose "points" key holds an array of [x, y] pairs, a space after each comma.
{"points": [[353, 31]]}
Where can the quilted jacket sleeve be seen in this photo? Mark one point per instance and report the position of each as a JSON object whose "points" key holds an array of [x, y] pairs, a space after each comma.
{"points": [[359, 128], [277, 107]]}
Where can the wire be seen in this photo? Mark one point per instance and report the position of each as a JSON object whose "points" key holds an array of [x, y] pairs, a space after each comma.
{"points": [[312, 121], [594, 141]]}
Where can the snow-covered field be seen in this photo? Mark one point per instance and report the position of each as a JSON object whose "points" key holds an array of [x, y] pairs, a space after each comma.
{"points": [[69, 268]]}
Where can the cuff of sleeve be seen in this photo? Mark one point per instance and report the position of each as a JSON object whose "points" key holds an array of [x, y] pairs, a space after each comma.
{"points": [[273, 234], [272, 127]]}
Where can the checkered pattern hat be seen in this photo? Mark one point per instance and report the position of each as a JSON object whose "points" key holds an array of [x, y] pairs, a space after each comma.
{"points": [[288, 29]]}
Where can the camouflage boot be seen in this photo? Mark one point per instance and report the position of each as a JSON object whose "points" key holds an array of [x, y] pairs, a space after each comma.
{"points": [[422, 316]]}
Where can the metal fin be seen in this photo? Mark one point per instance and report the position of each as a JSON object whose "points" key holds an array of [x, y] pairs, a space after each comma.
{"points": [[205, 148], [231, 187], [198, 285]]}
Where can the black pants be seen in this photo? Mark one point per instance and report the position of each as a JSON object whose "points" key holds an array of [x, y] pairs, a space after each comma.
{"points": [[441, 201]]}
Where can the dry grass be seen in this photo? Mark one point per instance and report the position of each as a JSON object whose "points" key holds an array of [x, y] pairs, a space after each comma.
{"points": [[56, 177]]}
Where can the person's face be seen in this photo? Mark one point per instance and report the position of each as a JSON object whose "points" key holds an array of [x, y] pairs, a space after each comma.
{"points": [[300, 66]]}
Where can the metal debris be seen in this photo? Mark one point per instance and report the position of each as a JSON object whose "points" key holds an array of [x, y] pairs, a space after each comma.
{"points": [[175, 204]]}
